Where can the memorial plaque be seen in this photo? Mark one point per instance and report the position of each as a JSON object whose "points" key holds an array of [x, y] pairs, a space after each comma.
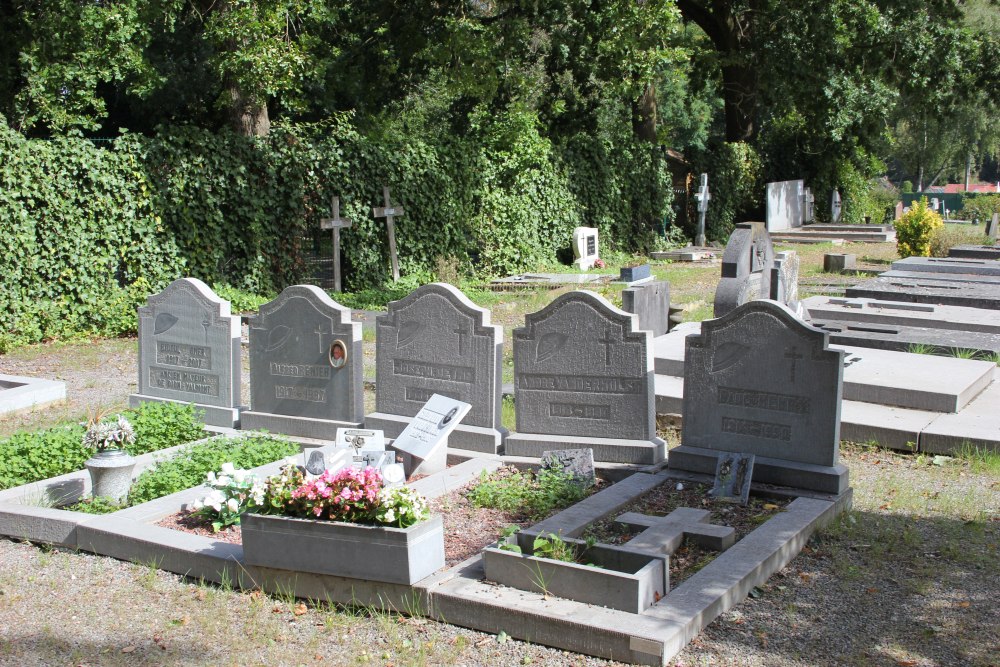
{"points": [[762, 382], [436, 341], [733, 473], [582, 369], [305, 365], [578, 463], [746, 268], [189, 351], [424, 441]]}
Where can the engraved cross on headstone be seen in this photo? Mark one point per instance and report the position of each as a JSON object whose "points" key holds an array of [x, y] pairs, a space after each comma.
{"points": [[336, 223], [607, 341], [389, 212], [794, 355], [703, 196], [462, 330], [664, 534]]}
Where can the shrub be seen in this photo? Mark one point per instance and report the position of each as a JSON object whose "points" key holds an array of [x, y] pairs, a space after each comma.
{"points": [[535, 494], [979, 207], [946, 237], [735, 179], [915, 229]]}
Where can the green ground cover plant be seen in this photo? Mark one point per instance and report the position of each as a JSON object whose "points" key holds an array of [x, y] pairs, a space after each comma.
{"points": [[536, 493], [29, 456], [189, 467]]}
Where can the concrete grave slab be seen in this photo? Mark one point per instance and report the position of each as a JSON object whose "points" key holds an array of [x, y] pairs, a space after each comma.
{"points": [[553, 279], [651, 302], [189, 351], [584, 378], [877, 311], [435, 340], [664, 534], [688, 254], [904, 338], [837, 262], [941, 292], [941, 275], [18, 393], [978, 425], [985, 267], [761, 381], [746, 268], [975, 252], [306, 366]]}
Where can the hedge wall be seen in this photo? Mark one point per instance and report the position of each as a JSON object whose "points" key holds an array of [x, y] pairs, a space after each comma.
{"points": [[94, 230]]}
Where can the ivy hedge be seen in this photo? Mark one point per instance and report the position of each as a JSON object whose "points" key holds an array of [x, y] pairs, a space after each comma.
{"points": [[94, 229]]}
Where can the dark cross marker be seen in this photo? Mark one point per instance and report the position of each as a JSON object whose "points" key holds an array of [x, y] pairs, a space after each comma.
{"points": [[462, 330], [794, 356], [608, 341]]}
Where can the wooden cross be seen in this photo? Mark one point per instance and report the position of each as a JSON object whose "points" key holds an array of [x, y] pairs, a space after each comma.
{"points": [[794, 355], [703, 196], [336, 223], [389, 212], [664, 534]]}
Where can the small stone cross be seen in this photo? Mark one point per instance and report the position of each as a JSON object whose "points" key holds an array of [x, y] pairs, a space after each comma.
{"points": [[607, 341], [336, 223], [703, 197], [462, 330], [664, 534], [389, 212], [794, 355]]}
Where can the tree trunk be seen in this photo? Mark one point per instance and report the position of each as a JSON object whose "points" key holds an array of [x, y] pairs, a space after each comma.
{"points": [[247, 116], [739, 86], [644, 115], [968, 170]]}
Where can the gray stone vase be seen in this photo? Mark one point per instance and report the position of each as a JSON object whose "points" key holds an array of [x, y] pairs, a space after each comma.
{"points": [[111, 473]]}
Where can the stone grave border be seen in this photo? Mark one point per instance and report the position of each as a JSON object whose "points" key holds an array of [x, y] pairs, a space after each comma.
{"points": [[456, 595], [29, 393]]}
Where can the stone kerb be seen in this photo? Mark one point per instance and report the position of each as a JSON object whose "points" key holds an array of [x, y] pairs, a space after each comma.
{"points": [[436, 341], [306, 366], [746, 267], [583, 376], [760, 381], [189, 351]]}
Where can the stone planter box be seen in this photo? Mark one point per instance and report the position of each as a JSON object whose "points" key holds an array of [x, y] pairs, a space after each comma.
{"points": [[625, 580], [375, 553]]}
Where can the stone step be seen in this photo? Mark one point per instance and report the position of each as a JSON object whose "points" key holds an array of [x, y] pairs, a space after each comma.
{"points": [[900, 379], [822, 236], [893, 427], [985, 267]]}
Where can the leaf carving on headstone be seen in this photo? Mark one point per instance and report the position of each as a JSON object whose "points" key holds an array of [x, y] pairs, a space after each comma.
{"points": [[278, 337], [408, 332], [549, 344], [728, 355], [163, 322]]}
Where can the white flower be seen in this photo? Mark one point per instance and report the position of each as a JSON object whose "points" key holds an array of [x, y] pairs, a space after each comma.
{"points": [[197, 505], [233, 505], [210, 477], [390, 516], [228, 468], [223, 481], [239, 476]]}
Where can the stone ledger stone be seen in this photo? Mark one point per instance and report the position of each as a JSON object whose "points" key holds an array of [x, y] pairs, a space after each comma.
{"points": [[189, 352], [982, 267], [306, 366], [760, 381], [975, 252], [938, 292], [436, 341], [746, 267], [651, 302], [583, 376]]}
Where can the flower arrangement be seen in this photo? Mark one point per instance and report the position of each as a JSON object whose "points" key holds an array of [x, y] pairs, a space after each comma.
{"points": [[401, 506], [106, 436], [599, 264], [233, 492]]}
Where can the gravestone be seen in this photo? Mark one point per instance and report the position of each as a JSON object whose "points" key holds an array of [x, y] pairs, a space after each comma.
{"points": [[785, 280], [583, 378], [808, 205], [836, 207], [424, 442], [390, 213], [733, 473], [306, 366], [585, 250], [746, 267], [335, 223], [578, 463], [897, 212], [785, 205], [991, 226], [189, 352], [837, 262], [703, 196], [760, 381], [436, 341], [651, 302]]}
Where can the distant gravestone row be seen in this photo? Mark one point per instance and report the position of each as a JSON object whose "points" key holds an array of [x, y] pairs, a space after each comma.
{"points": [[751, 270]]}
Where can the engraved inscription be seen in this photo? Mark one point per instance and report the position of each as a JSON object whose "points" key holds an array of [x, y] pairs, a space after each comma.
{"points": [[418, 394], [300, 371], [578, 411], [180, 354], [424, 369], [580, 384], [186, 381], [750, 398], [300, 394], [756, 429]]}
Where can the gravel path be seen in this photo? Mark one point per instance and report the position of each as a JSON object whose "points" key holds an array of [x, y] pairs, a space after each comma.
{"points": [[907, 579]]}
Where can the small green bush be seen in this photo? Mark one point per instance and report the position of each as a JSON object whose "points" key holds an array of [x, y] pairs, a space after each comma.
{"points": [[188, 468], [536, 494], [29, 456], [979, 207], [915, 229]]}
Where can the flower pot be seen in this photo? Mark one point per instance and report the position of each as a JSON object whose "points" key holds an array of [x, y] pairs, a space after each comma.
{"points": [[111, 473], [358, 551]]}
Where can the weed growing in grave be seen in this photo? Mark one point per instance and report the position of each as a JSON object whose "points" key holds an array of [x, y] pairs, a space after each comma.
{"points": [[920, 348], [963, 353], [980, 459], [553, 547], [536, 494], [96, 505]]}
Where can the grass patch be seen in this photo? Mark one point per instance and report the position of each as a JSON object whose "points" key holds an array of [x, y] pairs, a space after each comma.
{"points": [[537, 494], [980, 459]]}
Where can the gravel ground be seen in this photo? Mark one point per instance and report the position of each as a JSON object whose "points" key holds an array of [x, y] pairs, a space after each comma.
{"points": [[907, 579]]}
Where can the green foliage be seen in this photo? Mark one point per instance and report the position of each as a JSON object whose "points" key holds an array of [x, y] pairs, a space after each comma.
{"points": [[95, 505], [554, 548], [915, 229], [535, 494], [906, 187], [188, 468], [735, 176], [29, 456], [241, 301], [947, 236], [979, 207]]}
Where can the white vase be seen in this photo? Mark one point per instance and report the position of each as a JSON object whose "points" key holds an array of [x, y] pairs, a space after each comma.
{"points": [[111, 473]]}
